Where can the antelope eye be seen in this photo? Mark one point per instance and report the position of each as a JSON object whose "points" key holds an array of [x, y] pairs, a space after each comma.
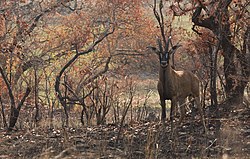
{"points": [[161, 55]]}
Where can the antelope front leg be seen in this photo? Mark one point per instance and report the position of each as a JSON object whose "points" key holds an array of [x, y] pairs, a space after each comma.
{"points": [[163, 110]]}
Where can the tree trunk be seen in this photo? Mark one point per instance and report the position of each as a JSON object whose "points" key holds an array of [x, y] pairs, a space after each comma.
{"points": [[3, 113], [15, 111], [37, 113], [236, 77], [214, 111]]}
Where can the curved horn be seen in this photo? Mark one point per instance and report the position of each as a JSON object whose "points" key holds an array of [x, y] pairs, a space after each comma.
{"points": [[160, 45], [167, 44]]}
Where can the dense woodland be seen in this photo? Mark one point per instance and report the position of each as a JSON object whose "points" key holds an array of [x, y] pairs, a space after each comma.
{"points": [[78, 78]]}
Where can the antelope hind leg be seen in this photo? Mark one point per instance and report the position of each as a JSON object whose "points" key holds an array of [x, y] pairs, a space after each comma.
{"points": [[197, 101], [182, 110], [173, 109], [172, 113]]}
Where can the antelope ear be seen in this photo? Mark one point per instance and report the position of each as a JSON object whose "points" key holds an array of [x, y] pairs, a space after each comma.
{"points": [[174, 48], [154, 49]]}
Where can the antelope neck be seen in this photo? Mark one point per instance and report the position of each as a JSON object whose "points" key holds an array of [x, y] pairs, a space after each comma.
{"points": [[164, 70], [166, 80]]}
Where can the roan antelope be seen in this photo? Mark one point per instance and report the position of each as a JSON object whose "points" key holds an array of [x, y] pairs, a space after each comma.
{"points": [[176, 85]]}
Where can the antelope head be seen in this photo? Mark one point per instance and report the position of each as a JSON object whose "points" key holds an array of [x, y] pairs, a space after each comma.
{"points": [[165, 53]]}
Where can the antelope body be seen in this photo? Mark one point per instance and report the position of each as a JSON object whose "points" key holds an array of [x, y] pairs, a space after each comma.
{"points": [[174, 85], [177, 86]]}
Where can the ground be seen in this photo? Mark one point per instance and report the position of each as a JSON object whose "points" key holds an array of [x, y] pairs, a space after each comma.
{"points": [[146, 139]]}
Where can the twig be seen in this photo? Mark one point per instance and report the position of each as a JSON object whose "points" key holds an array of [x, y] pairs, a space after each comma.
{"points": [[211, 144]]}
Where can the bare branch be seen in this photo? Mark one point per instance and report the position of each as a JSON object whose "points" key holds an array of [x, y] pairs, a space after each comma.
{"points": [[69, 7], [12, 99], [160, 20], [28, 90], [106, 33]]}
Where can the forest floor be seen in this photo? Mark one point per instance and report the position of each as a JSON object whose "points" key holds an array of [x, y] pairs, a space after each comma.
{"points": [[148, 139]]}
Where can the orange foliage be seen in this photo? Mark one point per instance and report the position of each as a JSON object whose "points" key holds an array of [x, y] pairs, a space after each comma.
{"points": [[2, 25], [2, 86]]}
